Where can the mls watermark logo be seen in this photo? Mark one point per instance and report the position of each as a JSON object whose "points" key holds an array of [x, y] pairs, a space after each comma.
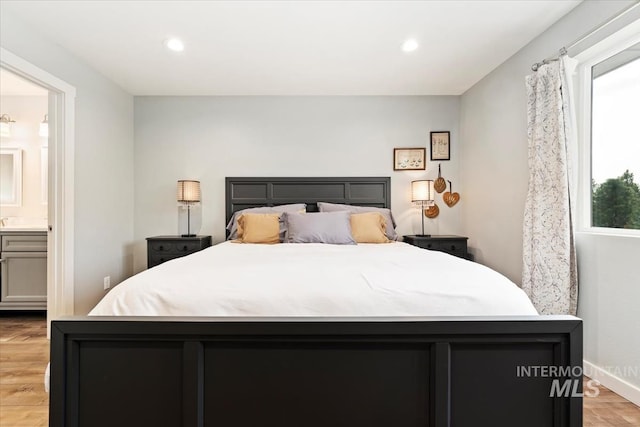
{"points": [[571, 388], [565, 380]]}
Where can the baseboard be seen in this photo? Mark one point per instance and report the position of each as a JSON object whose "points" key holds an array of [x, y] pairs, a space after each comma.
{"points": [[613, 383]]}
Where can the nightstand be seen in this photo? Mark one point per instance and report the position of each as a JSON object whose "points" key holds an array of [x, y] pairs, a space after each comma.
{"points": [[164, 248], [454, 245]]}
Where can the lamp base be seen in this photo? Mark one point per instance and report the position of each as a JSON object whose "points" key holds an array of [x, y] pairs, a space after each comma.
{"points": [[187, 235]]}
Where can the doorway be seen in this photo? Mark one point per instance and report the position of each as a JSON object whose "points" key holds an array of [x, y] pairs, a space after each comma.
{"points": [[60, 181], [23, 193]]}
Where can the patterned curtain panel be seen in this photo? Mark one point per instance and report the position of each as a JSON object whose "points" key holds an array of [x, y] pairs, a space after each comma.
{"points": [[549, 274]]}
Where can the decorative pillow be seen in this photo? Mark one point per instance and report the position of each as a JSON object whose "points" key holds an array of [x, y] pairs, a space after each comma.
{"points": [[232, 227], [318, 227], [368, 227], [386, 213], [259, 228]]}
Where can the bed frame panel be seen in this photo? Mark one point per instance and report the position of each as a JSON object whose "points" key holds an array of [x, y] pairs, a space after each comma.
{"points": [[312, 372], [284, 372], [243, 192]]}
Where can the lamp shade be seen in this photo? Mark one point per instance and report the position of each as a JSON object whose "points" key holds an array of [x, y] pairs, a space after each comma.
{"points": [[422, 190], [5, 125], [188, 191]]}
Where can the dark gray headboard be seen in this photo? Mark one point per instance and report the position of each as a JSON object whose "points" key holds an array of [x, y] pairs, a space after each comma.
{"points": [[242, 193]]}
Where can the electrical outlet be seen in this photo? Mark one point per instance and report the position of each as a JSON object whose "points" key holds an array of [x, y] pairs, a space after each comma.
{"points": [[107, 282]]}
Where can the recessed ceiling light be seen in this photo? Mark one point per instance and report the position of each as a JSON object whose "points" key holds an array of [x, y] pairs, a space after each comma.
{"points": [[174, 44], [409, 45]]}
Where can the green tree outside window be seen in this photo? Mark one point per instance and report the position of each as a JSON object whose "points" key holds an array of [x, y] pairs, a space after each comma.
{"points": [[616, 203]]}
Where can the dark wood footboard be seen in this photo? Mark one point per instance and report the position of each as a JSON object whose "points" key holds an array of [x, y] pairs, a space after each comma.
{"points": [[316, 372]]}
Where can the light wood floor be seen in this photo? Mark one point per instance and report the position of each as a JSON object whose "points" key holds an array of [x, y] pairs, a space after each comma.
{"points": [[24, 354]]}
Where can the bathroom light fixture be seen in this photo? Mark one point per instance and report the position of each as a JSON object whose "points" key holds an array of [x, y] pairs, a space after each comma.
{"points": [[423, 195], [174, 44], [409, 45], [188, 194], [5, 125], [44, 127]]}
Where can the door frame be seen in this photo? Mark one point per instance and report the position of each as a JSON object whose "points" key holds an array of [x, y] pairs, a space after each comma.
{"points": [[60, 236]]}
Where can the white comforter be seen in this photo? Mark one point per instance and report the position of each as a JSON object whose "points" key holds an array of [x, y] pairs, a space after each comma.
{"points": [[393, 279]]}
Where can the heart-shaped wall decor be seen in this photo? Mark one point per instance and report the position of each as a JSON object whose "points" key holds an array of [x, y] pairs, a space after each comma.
{"points": [[440, 184], [432, 211], [450, 198]]}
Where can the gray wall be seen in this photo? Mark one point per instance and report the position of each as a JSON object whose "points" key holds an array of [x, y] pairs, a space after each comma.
{"points": [[209, 138], [494, 174], [103, 162]]}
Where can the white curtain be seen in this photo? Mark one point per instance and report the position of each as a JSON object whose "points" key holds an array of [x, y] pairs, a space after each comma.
{"points": [[549, 274]]}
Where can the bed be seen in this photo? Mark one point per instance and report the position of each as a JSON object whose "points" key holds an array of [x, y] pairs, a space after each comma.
{"points": [[314, 335]]}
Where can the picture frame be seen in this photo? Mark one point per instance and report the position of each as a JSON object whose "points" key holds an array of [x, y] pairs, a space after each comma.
{"points": [[409, 159], [441, 145]]}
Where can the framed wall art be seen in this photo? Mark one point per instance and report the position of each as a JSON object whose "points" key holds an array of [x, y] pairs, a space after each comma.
{"points": [[409, 159], [440, 145]]}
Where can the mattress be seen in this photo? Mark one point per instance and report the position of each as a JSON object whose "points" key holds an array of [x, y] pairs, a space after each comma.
{"points": [[319, 280]]}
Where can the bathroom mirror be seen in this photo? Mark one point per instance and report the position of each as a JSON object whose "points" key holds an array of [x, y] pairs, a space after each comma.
{"points": [[10, 177], [44, 174]]}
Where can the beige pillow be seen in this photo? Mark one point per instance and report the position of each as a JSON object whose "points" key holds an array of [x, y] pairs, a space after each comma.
{"points": [[369, 227], [259, 228]]}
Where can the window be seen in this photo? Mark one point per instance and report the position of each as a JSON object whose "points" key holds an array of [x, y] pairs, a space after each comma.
{"points": [[608, 113], [615, 141]]}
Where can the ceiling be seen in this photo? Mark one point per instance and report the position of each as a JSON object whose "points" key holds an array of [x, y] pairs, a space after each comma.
{"points": [[292, 48]]}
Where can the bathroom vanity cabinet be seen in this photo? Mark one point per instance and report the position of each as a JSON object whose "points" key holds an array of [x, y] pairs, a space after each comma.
{"points": [[23, 270]]}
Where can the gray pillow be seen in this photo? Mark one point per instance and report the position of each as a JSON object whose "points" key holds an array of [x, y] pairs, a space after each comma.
{"points": [[232, 227], [319, 227], [386, 213]]}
